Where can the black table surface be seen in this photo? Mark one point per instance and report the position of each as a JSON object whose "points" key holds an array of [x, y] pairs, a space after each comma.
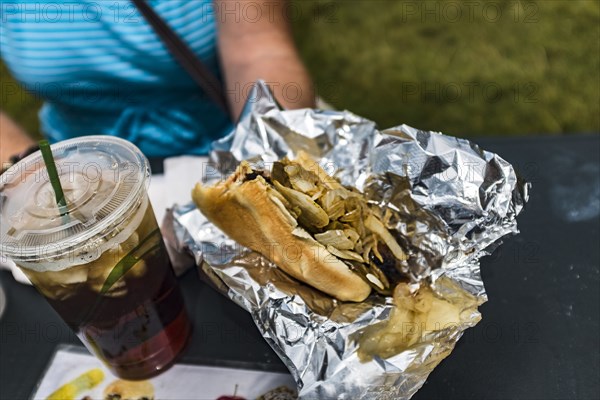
{"points": [[539, 337]]}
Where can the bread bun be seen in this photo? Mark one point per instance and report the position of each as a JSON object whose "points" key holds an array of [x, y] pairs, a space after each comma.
{"points": [[251, 213]]}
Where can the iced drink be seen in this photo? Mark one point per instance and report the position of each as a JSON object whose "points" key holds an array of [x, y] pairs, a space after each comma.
{"points": [[101, 262]]}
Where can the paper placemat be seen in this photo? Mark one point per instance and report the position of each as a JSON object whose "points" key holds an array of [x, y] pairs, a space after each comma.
{"points": [[180, 382]]}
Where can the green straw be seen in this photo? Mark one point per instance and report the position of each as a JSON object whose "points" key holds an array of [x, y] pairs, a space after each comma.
{"points": [[53, 175]]}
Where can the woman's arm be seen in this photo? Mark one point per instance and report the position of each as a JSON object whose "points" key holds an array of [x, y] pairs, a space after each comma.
{"points": [[255, 42], [13, 139]]}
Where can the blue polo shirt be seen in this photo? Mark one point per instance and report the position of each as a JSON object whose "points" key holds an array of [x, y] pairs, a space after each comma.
{"points": [[101, 69]]}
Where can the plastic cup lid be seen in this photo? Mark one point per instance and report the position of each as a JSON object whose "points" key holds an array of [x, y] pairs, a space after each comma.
{"points": [[102, 178]]}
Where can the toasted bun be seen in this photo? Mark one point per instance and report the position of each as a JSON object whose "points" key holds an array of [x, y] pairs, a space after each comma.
{"points": [[253, 217]]}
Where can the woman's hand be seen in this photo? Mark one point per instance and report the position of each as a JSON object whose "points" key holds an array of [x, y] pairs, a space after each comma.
{"points": [[13, 140], [255, 42]]}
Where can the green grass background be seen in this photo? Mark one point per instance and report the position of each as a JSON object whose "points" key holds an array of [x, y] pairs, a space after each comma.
{"points": [[467, 68]]}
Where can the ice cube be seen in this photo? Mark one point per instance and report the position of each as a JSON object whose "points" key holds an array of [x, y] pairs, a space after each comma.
{"points": [[58, 285], [46, 198], [69, 276], [100, 269], [75, 187], [138, 270]]}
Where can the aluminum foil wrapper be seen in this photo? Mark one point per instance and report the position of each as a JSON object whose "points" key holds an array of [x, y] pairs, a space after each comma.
{"points": [[452, 203]]}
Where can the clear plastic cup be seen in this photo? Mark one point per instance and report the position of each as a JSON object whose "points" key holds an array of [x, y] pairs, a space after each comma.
{"points": [[103, 264]]}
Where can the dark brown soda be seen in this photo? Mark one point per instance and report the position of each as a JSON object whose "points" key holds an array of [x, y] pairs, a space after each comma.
{"points": [[137, 335]]}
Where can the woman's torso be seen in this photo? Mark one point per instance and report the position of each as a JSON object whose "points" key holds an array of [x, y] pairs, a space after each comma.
{"points": [[102, 69]]}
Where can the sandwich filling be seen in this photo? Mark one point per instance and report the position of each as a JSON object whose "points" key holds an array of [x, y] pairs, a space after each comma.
{"points": [[339, 218]]}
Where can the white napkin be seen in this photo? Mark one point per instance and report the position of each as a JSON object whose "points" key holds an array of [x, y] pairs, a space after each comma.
{"points": [[175, 185]]}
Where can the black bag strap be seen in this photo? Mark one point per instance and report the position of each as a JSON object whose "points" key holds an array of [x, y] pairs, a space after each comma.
{"points": [[184, 55]]}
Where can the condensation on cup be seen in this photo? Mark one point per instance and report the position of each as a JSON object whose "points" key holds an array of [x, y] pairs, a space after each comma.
{"points": [[101, 262]]}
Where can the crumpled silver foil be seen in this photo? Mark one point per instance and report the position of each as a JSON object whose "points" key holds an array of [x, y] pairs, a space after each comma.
{"points": [[451, 201]]}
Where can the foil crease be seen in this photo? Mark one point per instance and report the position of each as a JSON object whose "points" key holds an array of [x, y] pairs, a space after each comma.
{"points": [[451, 202]]}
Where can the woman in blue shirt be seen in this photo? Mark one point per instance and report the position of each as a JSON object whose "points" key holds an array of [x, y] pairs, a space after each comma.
{"points": [[101, 69]]}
